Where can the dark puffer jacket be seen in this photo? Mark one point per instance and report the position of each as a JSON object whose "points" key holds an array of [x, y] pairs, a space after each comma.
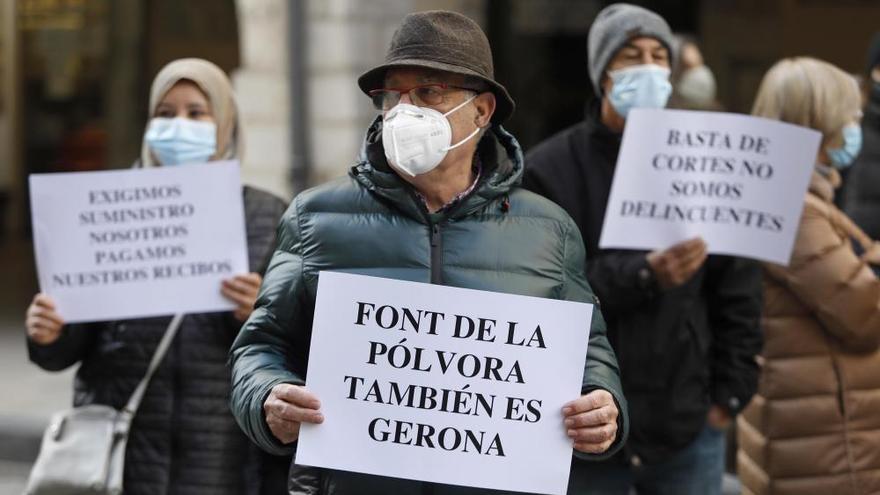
{"points": [[183, 439], [498, 238], [680, 350]]}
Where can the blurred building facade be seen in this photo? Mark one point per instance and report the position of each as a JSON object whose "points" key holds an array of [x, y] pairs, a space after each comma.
{"points": [[75, 74], [75, 80]]}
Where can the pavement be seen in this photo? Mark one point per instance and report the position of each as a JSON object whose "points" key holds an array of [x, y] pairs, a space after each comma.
{"points": [[28, 395], [13, 476]]}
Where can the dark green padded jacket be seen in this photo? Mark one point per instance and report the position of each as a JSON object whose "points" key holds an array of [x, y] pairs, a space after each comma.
{"points": [[498, 238]]}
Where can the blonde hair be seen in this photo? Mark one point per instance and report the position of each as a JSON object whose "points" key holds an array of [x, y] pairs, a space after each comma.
{"points": [[811, 93]]}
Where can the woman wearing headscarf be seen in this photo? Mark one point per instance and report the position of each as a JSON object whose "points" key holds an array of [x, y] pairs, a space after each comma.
{"points": [[814, 425], [183, 438]]}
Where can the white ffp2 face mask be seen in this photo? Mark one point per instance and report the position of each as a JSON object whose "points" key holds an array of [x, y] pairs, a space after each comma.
{"points": [[697, 85], [416, 139]]}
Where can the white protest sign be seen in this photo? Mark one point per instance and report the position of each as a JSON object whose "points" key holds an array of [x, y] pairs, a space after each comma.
{"points": [[441, 384], [736, 181], [141, 242]]}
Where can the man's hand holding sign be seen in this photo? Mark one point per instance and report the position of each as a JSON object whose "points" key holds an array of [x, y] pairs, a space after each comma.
{"points": [[676, 265], [591, 421], [287, 407]]}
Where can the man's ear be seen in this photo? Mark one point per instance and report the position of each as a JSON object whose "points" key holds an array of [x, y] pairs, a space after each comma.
{"points": [[485, 105]]}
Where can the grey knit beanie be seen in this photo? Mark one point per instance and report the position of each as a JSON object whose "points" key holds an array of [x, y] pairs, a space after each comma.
{"points": [[614, 26]]}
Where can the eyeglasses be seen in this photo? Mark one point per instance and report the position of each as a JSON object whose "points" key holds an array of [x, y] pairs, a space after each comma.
{"points": [[422, 95]]}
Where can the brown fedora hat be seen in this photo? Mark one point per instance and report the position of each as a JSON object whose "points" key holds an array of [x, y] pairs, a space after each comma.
{"points": [[444, 41]]}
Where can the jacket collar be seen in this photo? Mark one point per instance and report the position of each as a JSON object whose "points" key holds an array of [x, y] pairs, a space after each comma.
{"points": [[824, 181], [600, 141], [599, 132], [500, 155]]}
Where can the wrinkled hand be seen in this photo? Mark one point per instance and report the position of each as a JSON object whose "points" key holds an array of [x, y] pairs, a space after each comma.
{"points": [[42, 321], [591, 421], [677, 264], [718, 418], [242, 290], [287, 407]]}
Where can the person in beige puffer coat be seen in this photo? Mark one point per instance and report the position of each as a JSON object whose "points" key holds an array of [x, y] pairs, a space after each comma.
{"points": [[814, 426]]}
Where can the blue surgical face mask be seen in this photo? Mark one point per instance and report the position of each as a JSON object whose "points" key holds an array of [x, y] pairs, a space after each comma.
{"points": [[639, 86], [844, 156], [179, 141]]}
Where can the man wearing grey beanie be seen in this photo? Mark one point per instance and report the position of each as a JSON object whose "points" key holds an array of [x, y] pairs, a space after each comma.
{"points": [[685, 325]]}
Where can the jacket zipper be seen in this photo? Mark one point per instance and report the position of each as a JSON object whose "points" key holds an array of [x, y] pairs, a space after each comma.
{"points": [[842, 392], [436, 242], [436, 254]]}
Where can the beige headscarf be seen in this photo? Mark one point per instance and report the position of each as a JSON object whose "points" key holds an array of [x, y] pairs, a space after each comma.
{"points": [[216, 86]]}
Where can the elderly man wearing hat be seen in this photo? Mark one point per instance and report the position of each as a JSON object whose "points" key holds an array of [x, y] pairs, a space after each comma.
{"points": [[433, 198], [684, 325]]}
